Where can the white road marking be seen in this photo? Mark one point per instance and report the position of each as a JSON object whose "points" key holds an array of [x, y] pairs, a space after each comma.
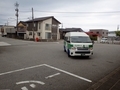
{"points": [[57, 42], [52, 75], [71, 74], [21, 69], [24, 88], [31, 81], [4, 44], [33, 85]]}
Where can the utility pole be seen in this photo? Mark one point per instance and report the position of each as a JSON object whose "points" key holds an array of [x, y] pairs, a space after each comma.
{"points": [[17, 5], [33, 22], [117, 27]]}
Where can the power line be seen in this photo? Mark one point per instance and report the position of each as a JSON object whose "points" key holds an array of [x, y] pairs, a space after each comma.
{"points": [[25, 11], [69, 12]]}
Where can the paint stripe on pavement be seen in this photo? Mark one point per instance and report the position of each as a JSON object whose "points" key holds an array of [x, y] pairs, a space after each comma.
{"points": [[31, 81], [4, 44], [24, 88], [71, 74], [50, 76], [21, 69]]}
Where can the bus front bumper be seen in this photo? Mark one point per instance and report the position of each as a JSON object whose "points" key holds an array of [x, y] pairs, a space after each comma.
{"points": [[81, 53]]}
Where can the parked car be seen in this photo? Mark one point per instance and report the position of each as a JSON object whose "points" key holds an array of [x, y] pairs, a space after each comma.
{"points": [[104, 40]]}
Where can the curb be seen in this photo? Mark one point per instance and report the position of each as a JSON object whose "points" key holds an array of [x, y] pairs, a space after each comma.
{"points": [[103, 80]]}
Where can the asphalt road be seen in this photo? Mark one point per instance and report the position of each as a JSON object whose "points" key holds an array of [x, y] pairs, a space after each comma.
{"points": [[27, 65]]}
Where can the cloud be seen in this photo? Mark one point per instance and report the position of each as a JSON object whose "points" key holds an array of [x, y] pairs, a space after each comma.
{"points": [[61, 10]]}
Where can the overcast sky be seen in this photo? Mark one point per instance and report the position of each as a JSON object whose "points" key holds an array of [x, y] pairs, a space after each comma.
{"points": [[85, 14]]}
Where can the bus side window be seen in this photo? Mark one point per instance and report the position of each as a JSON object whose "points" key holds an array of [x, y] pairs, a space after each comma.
{"points": [[67, 39]]}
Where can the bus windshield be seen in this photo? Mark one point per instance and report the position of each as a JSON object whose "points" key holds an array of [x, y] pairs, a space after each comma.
{"points": [[80, 39]]}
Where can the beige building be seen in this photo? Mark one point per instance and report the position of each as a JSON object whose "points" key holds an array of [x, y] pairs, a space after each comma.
{"points": [[44, 28]]}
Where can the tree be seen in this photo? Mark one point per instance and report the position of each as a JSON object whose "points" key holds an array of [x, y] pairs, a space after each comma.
{"points": [[93, 37], [117, 33]]}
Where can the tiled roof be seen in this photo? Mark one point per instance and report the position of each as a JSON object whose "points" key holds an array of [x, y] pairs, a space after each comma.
{"points": [[71, 29], [42, 19], [22, 23], [1, 25], [90, 33]]}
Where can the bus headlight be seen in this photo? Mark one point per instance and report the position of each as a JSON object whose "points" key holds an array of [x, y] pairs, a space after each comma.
{"points": [[73, 48], [90, 48]]}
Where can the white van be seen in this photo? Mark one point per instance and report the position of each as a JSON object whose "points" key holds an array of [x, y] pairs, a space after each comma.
{"points": [[78, 44], [104, 40]]}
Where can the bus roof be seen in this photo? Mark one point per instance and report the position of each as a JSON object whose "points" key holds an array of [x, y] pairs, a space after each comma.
{"points": [[76, 34]]}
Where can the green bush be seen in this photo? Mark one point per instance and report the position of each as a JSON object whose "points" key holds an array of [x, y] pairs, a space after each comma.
{"points": [[117, 33], [93, 38]]}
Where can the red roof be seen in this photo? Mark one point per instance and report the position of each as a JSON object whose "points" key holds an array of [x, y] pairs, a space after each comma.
{"points": [[92, 34]]}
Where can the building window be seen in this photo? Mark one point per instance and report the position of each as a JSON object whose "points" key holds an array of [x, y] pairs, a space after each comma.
{"points": [[30, 33], [97, 32], [103, 32], [27, 25], [47, 26], [38, 33], [48, 35], [54, 25]]}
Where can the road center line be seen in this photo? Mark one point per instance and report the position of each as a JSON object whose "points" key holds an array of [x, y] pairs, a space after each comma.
{"points": [[52, 75], [71, 74], [21, 69]]}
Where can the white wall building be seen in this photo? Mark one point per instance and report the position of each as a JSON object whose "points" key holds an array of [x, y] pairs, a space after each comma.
{"points": [[44, 28], [111, 34]]}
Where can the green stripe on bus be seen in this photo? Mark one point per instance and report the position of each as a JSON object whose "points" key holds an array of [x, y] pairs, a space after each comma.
{"points": [[69, 45], [90, 46]]}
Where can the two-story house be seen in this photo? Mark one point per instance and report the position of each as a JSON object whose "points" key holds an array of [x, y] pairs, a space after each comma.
{"points": [[21, 31], [102, 32], [43, 28], [112, 35], [63, 31]]}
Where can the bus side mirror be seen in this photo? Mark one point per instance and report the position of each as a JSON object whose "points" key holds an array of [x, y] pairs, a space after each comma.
{"points": [[68, 41]]}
